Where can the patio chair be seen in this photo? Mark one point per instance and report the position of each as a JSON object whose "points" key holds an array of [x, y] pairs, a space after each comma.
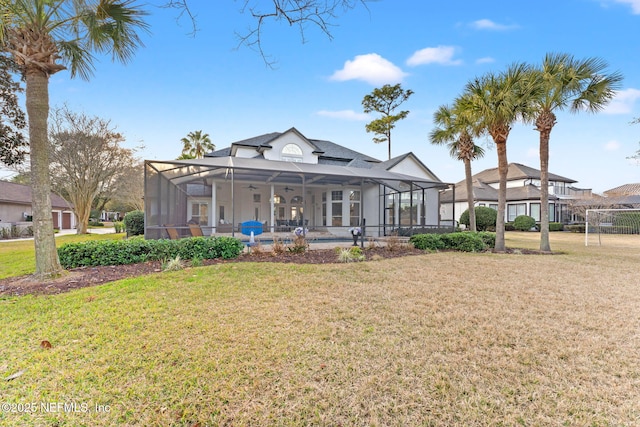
{"points": [[172, 232], [195, 230]]}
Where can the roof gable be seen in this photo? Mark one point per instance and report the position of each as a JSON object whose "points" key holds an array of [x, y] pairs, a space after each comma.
{"points": [[20, 194], [408, 164]]}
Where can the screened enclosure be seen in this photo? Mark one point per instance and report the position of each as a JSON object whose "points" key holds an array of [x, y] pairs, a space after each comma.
{"points": [[217, 195]]}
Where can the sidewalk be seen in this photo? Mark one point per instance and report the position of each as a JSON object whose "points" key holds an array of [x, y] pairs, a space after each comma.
{"points": [[97, 230]]}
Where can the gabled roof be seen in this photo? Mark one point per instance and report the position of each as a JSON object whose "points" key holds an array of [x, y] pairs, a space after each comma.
{"points": [[20, 194], [483, 192], [517, 171], [626, 189], [328, 152], [388, 164]]}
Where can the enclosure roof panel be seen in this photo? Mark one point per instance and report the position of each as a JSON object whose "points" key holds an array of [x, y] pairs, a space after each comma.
{"points": [[261, 170]]}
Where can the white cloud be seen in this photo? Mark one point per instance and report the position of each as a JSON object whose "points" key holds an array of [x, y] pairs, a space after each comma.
{"points": [[623, 102], [434, 55], [344, 115], [485, 60], [612, 145], [371, 68], [635, 5], [487, 24]]}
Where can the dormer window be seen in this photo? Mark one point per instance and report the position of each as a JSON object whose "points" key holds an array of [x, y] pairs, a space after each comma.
{"points": [[291, 153]]}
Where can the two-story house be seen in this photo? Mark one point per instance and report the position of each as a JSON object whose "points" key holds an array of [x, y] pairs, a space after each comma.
{"points": [[285, 180], [523, 194]]}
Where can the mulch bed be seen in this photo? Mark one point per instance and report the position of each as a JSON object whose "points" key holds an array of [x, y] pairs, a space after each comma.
{"points": [[91, 276]]}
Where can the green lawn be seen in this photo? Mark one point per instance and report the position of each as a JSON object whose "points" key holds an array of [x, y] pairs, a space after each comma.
{"points": [[438, 339], [17, 257]]}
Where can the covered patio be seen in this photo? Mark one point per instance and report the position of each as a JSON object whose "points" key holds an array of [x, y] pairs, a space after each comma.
{"points": [[218, 194]]}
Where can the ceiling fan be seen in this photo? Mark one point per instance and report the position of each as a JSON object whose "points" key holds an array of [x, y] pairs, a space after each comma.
{"points": [[252, 187], [287, 189]]}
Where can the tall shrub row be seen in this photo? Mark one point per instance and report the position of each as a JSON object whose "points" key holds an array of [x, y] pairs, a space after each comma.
{"points": [[130, 251], [461, 241]]}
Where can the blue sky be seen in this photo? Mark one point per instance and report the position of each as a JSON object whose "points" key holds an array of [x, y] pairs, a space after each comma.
{"points": [[178, 83]]}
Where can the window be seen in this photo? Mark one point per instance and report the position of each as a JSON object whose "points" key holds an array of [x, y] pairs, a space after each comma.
{"points": [[336, 208], [256, 198], [354, 208], [291, 153], [535, 211], [200, 213], [516, 210], [278, 199]]}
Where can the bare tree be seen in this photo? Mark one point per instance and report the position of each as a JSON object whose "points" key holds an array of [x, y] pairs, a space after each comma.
{"points": [[86, 160], [128, 189], [295, 13]]}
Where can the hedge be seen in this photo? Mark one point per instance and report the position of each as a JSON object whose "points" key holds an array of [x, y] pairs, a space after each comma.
{"points": [[130, 251], [556, 226], [460, 241]]}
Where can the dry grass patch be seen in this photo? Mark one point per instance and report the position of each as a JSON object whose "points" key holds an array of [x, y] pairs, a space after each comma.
{"points": [[438, 339]]}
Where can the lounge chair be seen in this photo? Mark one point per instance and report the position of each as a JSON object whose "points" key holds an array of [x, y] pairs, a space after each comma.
{"points": [[195, 230], [172, 232]]}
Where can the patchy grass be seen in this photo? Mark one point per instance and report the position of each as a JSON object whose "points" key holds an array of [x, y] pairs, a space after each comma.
{"points": [[437, 339], [18, 257]]}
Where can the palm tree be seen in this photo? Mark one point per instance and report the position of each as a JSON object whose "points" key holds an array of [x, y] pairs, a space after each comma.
{"points": [[45, 37], [457, 131], [497, 101], [564, 82], [196, 144]]}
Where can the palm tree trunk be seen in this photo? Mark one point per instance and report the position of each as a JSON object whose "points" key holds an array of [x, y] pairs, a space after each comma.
{"points": [[37, 101], [470, 198], [544, 124], [503, 169]]}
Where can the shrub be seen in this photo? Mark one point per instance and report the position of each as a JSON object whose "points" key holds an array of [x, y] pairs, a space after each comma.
{"points": [[130, 251], [134, 223], [524, 223], [299, 245], [96, 223], [488, 238], [427, 242], [174, 264], [575, 228], [119, 226], [485, 218], [353, 254], [464, 242], [556, 226], [459, 241]]}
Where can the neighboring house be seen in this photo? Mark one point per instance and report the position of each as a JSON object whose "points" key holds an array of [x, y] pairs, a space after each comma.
{"points": [[15, 206], [286, 180], [626, 196], [523, 194]]}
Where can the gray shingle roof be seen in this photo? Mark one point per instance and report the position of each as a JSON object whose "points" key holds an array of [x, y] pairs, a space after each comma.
{"points": [[517, 171], [626, 189], [484, 192], [20, 194], [328, 152]]}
